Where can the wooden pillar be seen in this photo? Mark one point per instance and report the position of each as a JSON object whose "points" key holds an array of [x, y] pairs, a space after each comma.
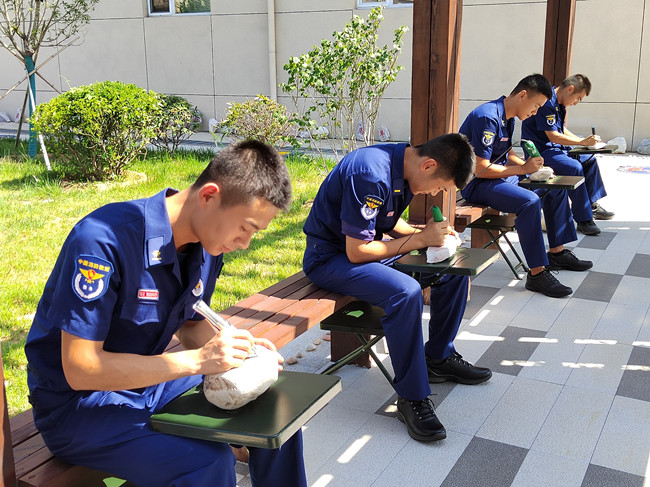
{"points": [[7, 454], [435, 87], [558, 42]]}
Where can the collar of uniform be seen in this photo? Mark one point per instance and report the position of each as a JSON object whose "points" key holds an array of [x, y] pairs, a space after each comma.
{"points": [[158, 239], [501, 111], [397, 171]]}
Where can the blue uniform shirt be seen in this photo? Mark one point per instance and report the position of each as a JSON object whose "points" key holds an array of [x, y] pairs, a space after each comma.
{"points": [[549, 117], [362, 197], [118, 280], [489, 132]]}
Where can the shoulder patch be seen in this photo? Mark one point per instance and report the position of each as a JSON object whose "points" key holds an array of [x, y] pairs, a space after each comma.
{"points": [[488, 138], [371, 206], [550, 119], [91, 277]]}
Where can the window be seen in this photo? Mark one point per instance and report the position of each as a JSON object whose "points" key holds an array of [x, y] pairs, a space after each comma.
{"points": [[385, 3], [168, 7]]}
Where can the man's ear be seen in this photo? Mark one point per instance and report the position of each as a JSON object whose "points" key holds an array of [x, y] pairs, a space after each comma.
{"points": [[209, 193], [429, 165]]}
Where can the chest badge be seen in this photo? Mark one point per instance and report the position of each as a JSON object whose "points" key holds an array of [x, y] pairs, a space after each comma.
{"points": [[198, 289], [91, 277], [371, 206], [148, 294]]}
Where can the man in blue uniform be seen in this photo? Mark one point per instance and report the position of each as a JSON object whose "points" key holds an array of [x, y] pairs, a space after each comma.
{"points": [[548, 131], [122, 287], [489, 128], [360, 201]]}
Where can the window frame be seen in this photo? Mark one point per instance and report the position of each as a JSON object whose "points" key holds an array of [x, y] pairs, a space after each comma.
{"points": [[172, 10], [362, 5]]}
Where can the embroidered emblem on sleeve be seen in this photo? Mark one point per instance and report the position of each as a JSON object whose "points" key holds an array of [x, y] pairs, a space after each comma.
{"points": [[198, 289], [488, 138], [91, 277], [371, 206], [550, 119]]}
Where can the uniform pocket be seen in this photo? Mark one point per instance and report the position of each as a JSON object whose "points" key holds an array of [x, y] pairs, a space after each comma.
{"points": [[140, 313]]}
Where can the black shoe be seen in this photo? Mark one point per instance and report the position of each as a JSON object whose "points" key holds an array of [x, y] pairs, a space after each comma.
{"points": [[567, 260], [456, 369], [601, 213], [420, 419], [588, 227], [545, 283]]}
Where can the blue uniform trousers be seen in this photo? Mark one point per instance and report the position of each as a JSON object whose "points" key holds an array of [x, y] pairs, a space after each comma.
{"points": [[506, 195], [585, 165], [400, 296], [110, 431]]}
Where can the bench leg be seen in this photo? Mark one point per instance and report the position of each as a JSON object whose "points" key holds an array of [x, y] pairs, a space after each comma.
{"points": [[364, 350], [344, 343]]}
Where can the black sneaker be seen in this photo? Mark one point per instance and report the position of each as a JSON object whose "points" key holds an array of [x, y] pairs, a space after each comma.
{"points": [[588, 227], [456, 369], [545, 283], [567, 260], [601, 213], [420, 419]]}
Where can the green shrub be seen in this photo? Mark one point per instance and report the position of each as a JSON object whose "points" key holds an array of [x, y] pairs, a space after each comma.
{"points": [[95, 131], [262, 119], [177, 121]]}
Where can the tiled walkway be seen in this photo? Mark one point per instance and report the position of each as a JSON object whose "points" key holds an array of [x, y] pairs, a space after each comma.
{"points": [[569, 402]]}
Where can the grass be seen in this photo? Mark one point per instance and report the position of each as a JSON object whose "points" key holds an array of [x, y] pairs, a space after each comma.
{"points": [[39, 210]]}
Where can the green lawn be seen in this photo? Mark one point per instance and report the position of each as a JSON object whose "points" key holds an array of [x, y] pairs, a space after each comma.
{"points": [[38, 211]]}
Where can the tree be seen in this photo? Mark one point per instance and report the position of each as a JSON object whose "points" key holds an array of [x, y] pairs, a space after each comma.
{"points": [[29, 25], [340, 83]]}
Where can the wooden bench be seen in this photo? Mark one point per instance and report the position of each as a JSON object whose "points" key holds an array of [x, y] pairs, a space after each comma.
{"points": [[467, 213], [280, 313]]}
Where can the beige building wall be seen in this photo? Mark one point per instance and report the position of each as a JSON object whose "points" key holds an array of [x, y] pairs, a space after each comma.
{"points": [[217, 58]]}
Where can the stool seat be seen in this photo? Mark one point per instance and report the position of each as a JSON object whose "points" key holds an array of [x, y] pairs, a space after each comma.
{"points": [[363, 319], [497, 227]]}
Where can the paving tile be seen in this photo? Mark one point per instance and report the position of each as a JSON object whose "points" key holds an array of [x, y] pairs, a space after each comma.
{"points": [[599, 242], [497, 275], [643, 340], [328, 431], [640, 266], [511, 354], [578, 318], [367, 393], [600, 367], [574, 424], [625, 440], [598, 286], [478, 465], [618, 255], [644, 248], [466, 408], [632, 290], [635, 382], [479, 295], [474, 338], [523, 408], [539, 313], [552, 359], [364, 455], [545, 470], [604, 477], [620, 322], [419, 464]]}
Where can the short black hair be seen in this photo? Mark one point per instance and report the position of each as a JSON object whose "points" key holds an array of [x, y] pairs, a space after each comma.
{"points": [[247, 170], [579, 82], [534, 83], [454, 155]]}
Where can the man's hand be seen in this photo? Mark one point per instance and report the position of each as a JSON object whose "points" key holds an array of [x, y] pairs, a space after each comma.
{"points": [[533, 164], [591, 140], [268, 344], [228, 349], [433, 234]]}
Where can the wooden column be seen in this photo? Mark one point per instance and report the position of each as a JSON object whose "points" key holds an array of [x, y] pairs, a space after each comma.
{"points": [[7, 454], [558, 43], [435, 87]]}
